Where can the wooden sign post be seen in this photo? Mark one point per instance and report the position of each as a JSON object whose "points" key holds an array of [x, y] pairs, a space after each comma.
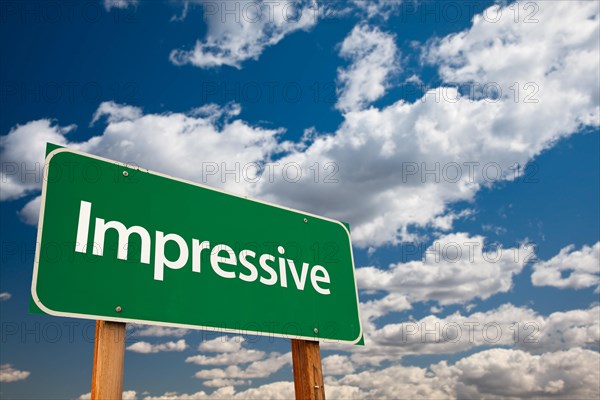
{"points": [[308, 374], [73, 207], [109, 357]]}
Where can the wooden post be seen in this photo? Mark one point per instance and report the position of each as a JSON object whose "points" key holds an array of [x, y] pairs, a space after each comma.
{"points": [[308, 374], [109, 357]]}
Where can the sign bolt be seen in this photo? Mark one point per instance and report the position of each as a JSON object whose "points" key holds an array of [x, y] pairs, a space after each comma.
{"points": [[125, 173], [305, 220], [316, 330], [118, 308]]}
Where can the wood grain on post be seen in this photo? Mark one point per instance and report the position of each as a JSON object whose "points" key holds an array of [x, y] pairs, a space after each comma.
{"points": [[308, 374], [109, 357]]}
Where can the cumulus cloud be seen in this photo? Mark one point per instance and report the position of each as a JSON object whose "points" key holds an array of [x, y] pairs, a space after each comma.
{"points": [[9, 374], [401, 166], [337, 365], [435, 382], [371, 310], [257, 369], [146, 348], [269, 391], [157, 331], [245, 32], [373, 59], [505, 326], [170, 143], [22, 154], [30, 214], [223, 344], [561, 331], [451, 334], [570, 268], [494, 374], [116, 112], [242, 356], [110, 4], [501, 373], [378, 8], [396, 168], [127, 395], [5, 296], [498, 50], [508, 325], [230, 353], [456, 268], [224, 383]]}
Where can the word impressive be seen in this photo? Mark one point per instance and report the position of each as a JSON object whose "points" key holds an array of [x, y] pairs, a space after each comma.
{"points": [[223, 260]]}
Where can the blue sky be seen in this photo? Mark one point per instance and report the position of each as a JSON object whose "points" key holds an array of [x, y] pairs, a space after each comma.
{"points": [[445, 126]]}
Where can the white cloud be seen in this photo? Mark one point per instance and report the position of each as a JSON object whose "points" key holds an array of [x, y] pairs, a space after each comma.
{"points": [[269, 391], [9, 374], [184, 12], [342, 392], [146, 348], [22, 154], [435, 310], [582, 266], [507, 325], [435, 382], [257, 369], [371, 310], [500, 373], [337, 365], [491, 374], [127, 395], [169, 143], [5, 296], [562, 330], [374, 151], [242, 356], [158, 331], [30, 214], [233, 355], [110, 4], [382, 155], [246, 31], [374, 59], [223, 344], [224, 382], [455, 269], [185, 396], [116, 112], [378, 8], [558, 53], [374, 309], [214, 111]]}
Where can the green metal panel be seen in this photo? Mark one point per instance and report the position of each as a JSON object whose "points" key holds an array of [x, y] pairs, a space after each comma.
{"points": [[81, 284]]}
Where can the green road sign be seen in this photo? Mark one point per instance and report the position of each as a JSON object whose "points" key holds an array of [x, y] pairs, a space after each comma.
{"points": [[124, 244]]}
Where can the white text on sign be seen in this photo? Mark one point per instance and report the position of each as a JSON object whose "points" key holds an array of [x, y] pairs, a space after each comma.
{"points": [[223, 260]]}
